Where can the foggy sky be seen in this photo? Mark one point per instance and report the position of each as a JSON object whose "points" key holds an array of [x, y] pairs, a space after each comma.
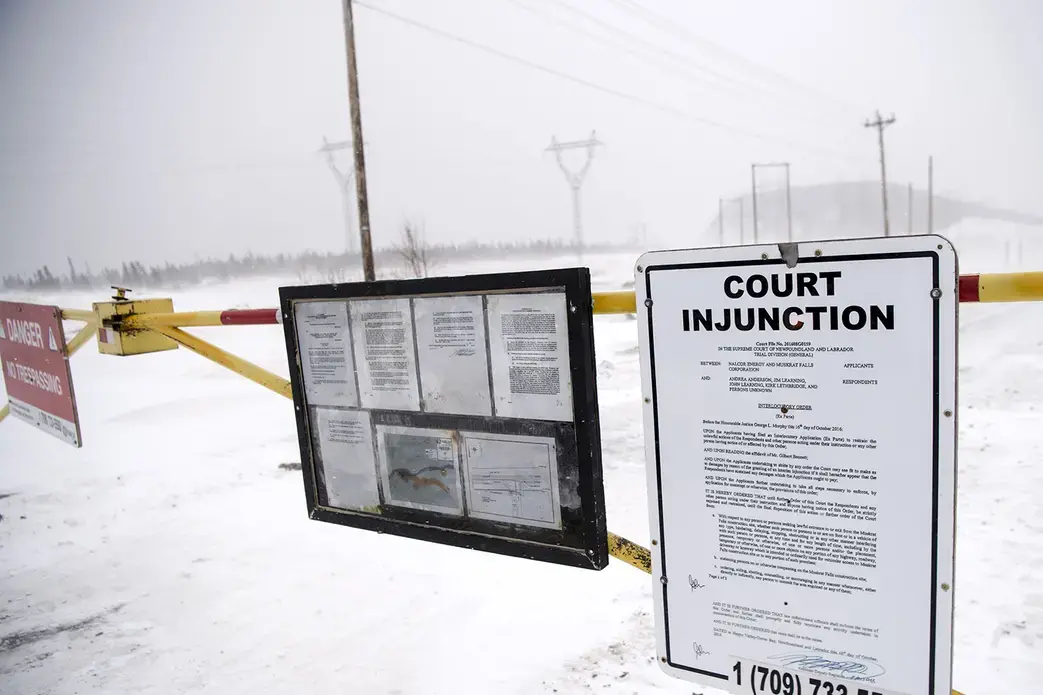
{"points": [[157, 130]]}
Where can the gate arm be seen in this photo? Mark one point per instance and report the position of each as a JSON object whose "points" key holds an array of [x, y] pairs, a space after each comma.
{"points": [[237, 364]]}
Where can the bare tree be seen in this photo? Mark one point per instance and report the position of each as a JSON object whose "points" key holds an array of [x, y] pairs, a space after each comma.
{"points": [[414, 250]]}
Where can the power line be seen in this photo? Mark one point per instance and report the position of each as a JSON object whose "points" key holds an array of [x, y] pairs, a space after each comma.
{"points": [[675, 63], [666, 108], [655, 19], [676, 57]]}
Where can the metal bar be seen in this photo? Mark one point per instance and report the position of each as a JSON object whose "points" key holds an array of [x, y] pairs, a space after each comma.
{"points": [[237, 364], [968, 288], [1010, 287], [81, 338], [174, 320], [79, 315], [249, 317], [630, 552], [991, 287], [619, 547], [231, 317], [624, 302]]}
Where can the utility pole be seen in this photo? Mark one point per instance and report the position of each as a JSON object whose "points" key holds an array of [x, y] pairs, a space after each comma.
{"points": [[575, 179], [930, 194], [789, 207], [880, 123], [720, 220], [361, 194], [345, 183]]}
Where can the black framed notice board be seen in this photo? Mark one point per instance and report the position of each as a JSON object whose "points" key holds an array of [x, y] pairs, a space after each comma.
{"points": [[458, 410]]}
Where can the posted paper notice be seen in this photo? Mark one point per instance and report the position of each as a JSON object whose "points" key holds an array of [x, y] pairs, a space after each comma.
{"points": [[383, 333], [454, 364], [325, 352], [512, 478], [346, 457], [529, 351]]}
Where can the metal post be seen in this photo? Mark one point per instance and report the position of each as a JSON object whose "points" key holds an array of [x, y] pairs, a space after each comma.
{"points": [[930, 194], [720, 220], [909, 215], [753, 168], [742, 220], [789, 209], [361, 194], [789, 205]]}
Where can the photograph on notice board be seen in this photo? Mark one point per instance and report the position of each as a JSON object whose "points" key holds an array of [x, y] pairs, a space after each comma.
{"points": [[420, 469], [345, 455]]}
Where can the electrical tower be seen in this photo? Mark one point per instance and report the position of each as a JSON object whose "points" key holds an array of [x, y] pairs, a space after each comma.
{"points": [[575, 179], [880, 123], [345, 180]]}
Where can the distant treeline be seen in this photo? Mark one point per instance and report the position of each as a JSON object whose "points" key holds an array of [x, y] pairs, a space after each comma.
{"points": [[309, 266]]}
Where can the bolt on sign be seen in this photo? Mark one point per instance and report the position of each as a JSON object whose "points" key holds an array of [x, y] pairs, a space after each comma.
{"points": [[36, 369], [459, 410], [800, 438]]}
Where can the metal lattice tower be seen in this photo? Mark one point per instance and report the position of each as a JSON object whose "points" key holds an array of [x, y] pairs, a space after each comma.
{"points": [[575, 179], [346, 182]]}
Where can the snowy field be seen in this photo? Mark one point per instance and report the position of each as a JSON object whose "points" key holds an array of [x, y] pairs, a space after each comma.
{"points": [[172, 554]]}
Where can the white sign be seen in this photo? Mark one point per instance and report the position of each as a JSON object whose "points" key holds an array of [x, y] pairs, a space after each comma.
{"points": [[800, 434], [529, 350]]}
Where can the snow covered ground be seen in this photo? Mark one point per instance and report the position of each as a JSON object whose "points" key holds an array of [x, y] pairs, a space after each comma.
{"points": [[172, 555]]}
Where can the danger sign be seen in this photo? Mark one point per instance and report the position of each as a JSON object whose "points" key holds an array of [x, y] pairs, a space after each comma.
{"points": [[36, 369]]}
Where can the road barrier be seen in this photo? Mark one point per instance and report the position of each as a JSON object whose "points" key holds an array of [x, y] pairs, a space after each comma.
{"points": [[996, 287], [128, 318]]}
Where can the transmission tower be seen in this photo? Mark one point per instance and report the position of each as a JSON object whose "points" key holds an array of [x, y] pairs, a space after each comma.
{"points": [[345, 180], [575, 179]]}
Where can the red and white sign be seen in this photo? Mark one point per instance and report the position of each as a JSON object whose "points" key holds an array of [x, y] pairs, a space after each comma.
{"points": [[36, 369]]}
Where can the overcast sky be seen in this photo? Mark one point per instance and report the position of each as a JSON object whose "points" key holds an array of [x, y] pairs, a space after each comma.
{"points": [[158, 130]]}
